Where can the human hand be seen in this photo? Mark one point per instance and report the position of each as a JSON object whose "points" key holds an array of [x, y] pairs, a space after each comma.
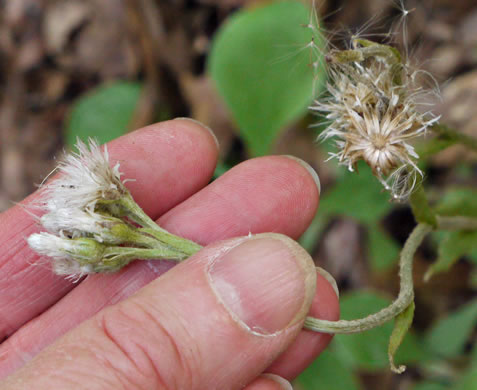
{"points": [[216, 321]]}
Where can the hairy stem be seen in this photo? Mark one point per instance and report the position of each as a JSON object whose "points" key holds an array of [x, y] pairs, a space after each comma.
{"points": [[404, 299], [177, 243], [421, 209]]}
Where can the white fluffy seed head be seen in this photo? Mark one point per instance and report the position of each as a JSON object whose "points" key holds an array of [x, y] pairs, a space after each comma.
{"points": [[374, 118], [85, 178], [76, 223], [69, 257], [76, 228]]}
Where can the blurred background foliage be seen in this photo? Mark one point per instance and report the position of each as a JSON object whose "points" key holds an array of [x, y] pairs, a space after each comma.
{"points": [[80, 68]]}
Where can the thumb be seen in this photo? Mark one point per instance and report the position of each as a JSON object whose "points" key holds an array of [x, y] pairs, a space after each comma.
{"points": [[215, 321]]}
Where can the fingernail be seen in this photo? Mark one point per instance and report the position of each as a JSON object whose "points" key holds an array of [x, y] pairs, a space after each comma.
{"points": [[285, 385], [202, 125], [330, 279], [266, 282], [310, 170]]}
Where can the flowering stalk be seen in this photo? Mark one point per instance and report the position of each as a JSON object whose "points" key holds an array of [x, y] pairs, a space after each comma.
{"points": [[93, 224], [372, 111]]}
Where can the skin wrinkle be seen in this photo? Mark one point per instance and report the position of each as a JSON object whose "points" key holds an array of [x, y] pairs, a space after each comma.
{"points": [[141, 317], [107, 331]]}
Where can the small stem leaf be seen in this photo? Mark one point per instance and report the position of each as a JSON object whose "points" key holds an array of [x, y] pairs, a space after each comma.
{"points": [[454, 245], [420, 207], [401, 326]]}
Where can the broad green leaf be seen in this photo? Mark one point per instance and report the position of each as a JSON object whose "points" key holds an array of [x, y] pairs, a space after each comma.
{"points": [[458, 201], [358, 195], [327, 373], [103, 113], [260, 63], [368, 350], [402, 323], [451, 248], [449, 335], [383, 250]]}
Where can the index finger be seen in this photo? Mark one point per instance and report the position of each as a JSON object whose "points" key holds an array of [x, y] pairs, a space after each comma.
{"points": [[169, 162]]}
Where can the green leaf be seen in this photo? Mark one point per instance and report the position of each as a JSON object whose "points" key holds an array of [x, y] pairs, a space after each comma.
{"points": [[103, 113], [327, 373], [402, 323], [260, 63], [453, 246], [449, 335], [368, 350], [383, 250], [468, 381], [430, 386], [358, 195], [458, 201]]}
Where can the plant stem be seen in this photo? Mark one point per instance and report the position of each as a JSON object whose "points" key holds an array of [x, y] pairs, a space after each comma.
{"points": [[421, 209], [177, 243], [406, 291], [404, 299]]}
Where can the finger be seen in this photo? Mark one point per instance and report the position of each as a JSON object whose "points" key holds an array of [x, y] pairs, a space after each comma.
{"points": [[169, 161], [288, 209], [268, 194], [213, 322], [269, 382], [308, 345]]}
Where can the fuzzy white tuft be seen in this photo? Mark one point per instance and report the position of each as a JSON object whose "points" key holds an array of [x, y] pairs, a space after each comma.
{"points": [[70, 201], [85, 178], [374, 118]]}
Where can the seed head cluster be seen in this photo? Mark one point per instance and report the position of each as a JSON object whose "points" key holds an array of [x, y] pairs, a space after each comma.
{"points": [[371, 108], [72, 219]]}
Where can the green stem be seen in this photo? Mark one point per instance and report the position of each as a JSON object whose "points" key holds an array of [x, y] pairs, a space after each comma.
{"points": [[115, 252], [177, 243], [152, 229], [421, 209], [404, 299], [136, 214]]}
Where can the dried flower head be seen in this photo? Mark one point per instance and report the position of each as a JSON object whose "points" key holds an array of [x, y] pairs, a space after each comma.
{"points": [[372, 110]]}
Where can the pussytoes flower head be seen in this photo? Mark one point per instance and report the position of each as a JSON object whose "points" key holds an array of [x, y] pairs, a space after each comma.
{"points": [[92, 222], [69, 257], [77, 217], [85, 178], [372, 111]]}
